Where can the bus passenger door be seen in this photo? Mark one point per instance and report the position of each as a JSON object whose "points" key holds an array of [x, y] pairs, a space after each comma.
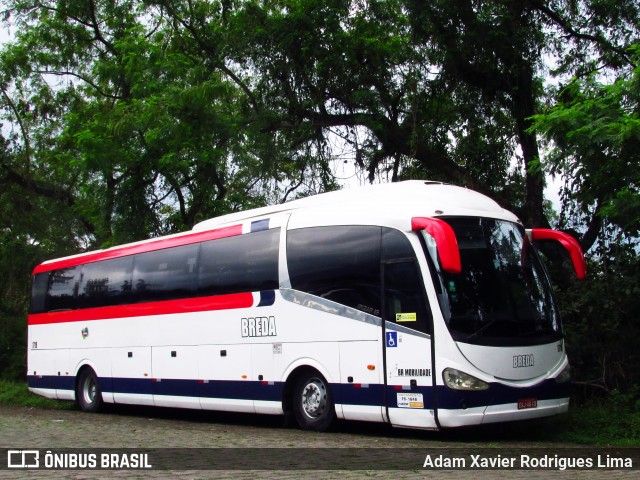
{"points": [[407, 327]]}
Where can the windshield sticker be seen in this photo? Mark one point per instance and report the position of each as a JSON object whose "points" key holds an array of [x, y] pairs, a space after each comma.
{"points": [[406, 317]]}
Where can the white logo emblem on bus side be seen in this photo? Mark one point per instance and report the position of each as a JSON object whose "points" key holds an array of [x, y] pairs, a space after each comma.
{"points": [[258, 327], [520, 361]]}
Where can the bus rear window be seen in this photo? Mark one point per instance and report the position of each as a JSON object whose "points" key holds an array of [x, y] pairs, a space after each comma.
{"points": [[39, 293]]}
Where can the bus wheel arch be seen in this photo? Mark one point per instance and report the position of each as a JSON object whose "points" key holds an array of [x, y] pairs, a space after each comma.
{"points": [[88, 392], [308, 399]]}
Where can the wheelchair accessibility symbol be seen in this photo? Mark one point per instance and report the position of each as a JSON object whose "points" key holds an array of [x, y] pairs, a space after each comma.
{"points": [[392, 339]]}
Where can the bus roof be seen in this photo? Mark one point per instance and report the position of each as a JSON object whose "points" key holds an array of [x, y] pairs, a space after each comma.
{"points": [[390, 204], [408, 198]]}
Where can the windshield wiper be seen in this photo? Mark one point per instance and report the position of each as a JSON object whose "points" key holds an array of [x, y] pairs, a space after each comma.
{"points": [[542, 331], [482, 329]]}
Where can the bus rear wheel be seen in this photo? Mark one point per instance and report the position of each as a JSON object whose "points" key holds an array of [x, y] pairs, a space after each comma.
{"points": [[88, 394], [313, 403]]}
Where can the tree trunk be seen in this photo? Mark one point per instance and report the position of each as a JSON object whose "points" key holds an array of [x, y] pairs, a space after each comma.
{"points": [[522, 110]]}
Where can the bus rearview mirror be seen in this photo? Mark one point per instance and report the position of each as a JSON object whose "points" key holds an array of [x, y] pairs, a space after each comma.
{"points": [[446, 241], [570, 244]]}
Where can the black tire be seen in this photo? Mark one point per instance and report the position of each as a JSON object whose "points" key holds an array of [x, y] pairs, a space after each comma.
{"points": [[313, 403], [88, 394]]}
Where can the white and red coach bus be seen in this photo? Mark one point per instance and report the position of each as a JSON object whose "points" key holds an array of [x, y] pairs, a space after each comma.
{"points": [[419, 304]]}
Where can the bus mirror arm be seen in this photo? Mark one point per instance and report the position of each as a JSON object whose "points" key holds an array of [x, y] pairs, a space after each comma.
{"points": [[570, 244], [446, 241]]}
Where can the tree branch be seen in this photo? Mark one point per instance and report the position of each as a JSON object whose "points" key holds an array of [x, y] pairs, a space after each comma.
{"points": [[80, 77], [214, 54], [564, 24], [51, 192], [23, 129]]}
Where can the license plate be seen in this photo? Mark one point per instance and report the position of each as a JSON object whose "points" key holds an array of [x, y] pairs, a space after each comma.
{"points": [[527, 403]]}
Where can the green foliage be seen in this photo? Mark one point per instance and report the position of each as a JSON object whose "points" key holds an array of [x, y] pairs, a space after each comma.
{"points": [[604, 424], [17, 393], [600, 319], [595, 128]]}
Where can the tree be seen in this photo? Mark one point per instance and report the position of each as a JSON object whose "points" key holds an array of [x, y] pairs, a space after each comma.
{"points": [[121, 123], [595, 132], [124, 119]]}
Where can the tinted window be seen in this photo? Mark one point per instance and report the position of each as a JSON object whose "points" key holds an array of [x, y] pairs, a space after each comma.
{"points": [[63, 285], [395, 245], [165, 274], [244, 263], [39, 293], [405, 302], [341, 264], [502, 296], [106, 283]]}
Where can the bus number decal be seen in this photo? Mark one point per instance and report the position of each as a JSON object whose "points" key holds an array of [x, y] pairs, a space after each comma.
{"points": [[258, 327]]}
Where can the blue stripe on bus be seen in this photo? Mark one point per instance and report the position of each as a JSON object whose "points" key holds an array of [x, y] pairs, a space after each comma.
{"points": [[142, 386], [51, 381], [353, 394], [267, 298], [499, 394], [343, 393], [259, 225]]}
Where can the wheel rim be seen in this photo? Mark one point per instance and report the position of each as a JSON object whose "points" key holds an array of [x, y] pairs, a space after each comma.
{"points": [[89, 390], [314, 398]]}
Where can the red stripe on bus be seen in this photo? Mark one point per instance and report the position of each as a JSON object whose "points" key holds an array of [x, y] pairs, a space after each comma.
{"points": [[167, 307], [124, 251]]}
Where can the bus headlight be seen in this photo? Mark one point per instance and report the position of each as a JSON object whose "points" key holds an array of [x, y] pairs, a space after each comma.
{"points": [[565, 375], [458, 380]]}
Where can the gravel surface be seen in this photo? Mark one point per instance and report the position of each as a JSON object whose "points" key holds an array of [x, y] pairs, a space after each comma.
{"points": [[149, 428]]}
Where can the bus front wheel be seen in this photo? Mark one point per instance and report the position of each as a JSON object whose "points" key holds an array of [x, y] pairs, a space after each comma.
{"points": [[88, 394], [312, 403]]}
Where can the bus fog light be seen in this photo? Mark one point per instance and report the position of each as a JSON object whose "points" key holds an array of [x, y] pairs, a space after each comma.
{"points": [[565, 375], [458, 380]]}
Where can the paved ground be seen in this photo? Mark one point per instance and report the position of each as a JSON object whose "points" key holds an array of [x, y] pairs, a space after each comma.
{"points": [[139, 428]]}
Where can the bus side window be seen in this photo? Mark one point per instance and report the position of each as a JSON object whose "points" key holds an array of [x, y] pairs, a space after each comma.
{"points": [[63, 285], [404, 299], [166, 274], [243, 263], [39, 288], [339, 263], [106, 283]]}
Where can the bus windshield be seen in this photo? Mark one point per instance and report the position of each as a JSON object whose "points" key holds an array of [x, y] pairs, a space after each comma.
{"points": [[503, 295]]}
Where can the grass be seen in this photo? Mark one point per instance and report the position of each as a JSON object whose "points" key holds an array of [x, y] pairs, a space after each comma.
{"points": [[17, 393], [602, 424], [612, 423], [607, 425]]}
